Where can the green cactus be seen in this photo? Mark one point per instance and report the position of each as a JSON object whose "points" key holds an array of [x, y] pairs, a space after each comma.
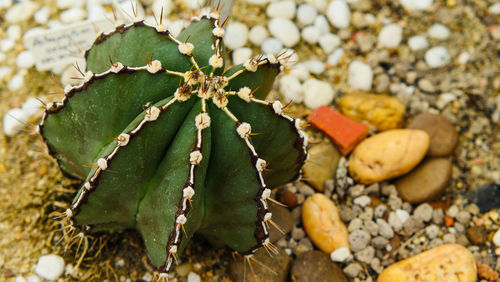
{"points": [[176, 145]]}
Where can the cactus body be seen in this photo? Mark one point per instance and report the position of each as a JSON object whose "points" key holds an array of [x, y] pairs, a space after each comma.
{"points": [[169, 137]]}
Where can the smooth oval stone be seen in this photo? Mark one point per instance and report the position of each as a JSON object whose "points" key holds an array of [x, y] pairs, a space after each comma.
{"points": [[388, 154], [444, 137], [381, 111], [322, 223], [273, 268], [315, 266], [283, 218], [426, 182], [321, 165], [450, 262]]}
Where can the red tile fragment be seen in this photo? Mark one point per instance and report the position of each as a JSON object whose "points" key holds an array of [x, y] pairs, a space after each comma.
{"points": [[448, 221], [345, 132]]}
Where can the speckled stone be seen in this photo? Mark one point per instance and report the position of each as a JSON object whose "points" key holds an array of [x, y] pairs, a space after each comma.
{"points": [[316, 266]]}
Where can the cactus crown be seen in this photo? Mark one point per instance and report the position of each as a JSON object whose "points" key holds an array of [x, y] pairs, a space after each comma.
{"points": [[176, 145]]}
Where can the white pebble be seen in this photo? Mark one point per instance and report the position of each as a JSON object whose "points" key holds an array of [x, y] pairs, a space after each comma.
{"points": [[20, 279], [5, 4], [437, 57], [360, 76], [390, 36], [281, 9], [317, 93], [362, 201], [494, 9], [73, 15], [463, 58], [236, 35], [328, 42], [418, 42], [300, 72], [291, 89], [33, 278], [341, 254], [416, 4], [16, 82], [2, 57], [42, 15], [7, 44], [258, 2], [271, 46], [306, 14], [64, 4], [319, 4], [496, 238], [439, 32], [12, 122], [315, 66], [444, 99], [402, 215], [4, 72], [32, 108], [321, 22], [25, 60], [339, 14], [14, 32], [193, 277], [335, 57], [96, 12], [50, 267], [285, 30], [258, 34], [241, 55], [311, 34], [21, 12]]}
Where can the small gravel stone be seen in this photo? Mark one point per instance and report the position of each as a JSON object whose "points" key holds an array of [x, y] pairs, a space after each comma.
{"points": [[365, 255], [16, 82], [367, 214], [432, 231], [379, 242], [464, 217], [291, 89], [241, 55], [394, 202], [384, 228], [7, 44], [281, 9], [50, 267], [353, 270], [315, 66], [390, 36], [394, 221], [371, 227], [426, 85], [356, 191], [438, 217], [21, 12], [236, 35], [25, 60], [452, 211], [360, 76], [437, 57], [193, 277], [418, 42], [363, 201], [319, 93], [321, 22], [306, 14], [271, 46], [402, 215], [412, 225], [311, 34], [285, 30], [439, 32], [346, 214], [338, 14], [42, 15], [388, 190], [379, 211], [496, 238], [449, 238], [354, 225], [435, 243], [341, 255], [258, 34], [424, 212], [334, 58], [420, 5], [73, 15], [358, 240], [14, 32], [11, 122]]}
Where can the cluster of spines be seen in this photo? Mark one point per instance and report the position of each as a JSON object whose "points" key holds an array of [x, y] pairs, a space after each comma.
{"points": [[208, 87]]}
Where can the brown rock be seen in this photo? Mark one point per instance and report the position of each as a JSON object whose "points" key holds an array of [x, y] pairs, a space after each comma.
{"points": [[315, 266], [322, 223], [426, 182], [268, 268], [477, 235], [388, 154], [450, 262], [381, 111], [283, 218], [288, 198], [321, 165], [444, 137]]}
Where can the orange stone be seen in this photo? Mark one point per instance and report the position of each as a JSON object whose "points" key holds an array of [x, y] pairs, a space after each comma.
{"points": [[448, 221], [345, 132]]}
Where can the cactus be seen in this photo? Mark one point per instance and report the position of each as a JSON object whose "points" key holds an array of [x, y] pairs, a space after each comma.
{"points": [[168, 143]]}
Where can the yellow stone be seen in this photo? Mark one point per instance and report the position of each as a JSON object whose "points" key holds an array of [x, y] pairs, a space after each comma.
{"points": [[450, 262], [388, 154], [381, 111], [321, 165], [322, 223]]}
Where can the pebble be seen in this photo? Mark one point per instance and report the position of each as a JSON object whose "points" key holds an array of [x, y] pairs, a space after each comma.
{"points": [[73, 15], [25, 60], [316, 266], [322, 164], [281, 9], [306, 14], [402, 215], [366, 255], [418, 42], [381, 111], [341, 254], [322, 223], [291, 89], [21, 12], [42, 15], [315, 66], [328, 42], [449, 238], [16, 82], [283, 218], [448, 262], [362, 201], [380, 242], [50, 267], [380, 211], [494, 9], [321, 22], [388, 154], [412, 225], [437, 57], [464, 217], [424, 212], [496, 238], [258, 2], [390, 36], [384, 229], [432, 231], [300, 72], [335, 57], [338, 14], [285, 30], [444, 136], [371, 227], [319, 93], [358, 240], [7, 44], [14, 32], [439, 31], [426, 85], [438, 217], [241, 55], [5, 4], [32, 107], [271, 46], [311, 34], [353, 270], [4, 72], [236, 35], [12, 122], [420, 5], [360, 76], [477, 235], [193, 277]]}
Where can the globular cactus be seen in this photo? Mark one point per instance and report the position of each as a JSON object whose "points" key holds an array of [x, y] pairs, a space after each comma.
{"points": [[176, 144]]}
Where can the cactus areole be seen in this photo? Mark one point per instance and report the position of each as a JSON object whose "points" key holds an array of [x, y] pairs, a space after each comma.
{"points": [[168, 142]]}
